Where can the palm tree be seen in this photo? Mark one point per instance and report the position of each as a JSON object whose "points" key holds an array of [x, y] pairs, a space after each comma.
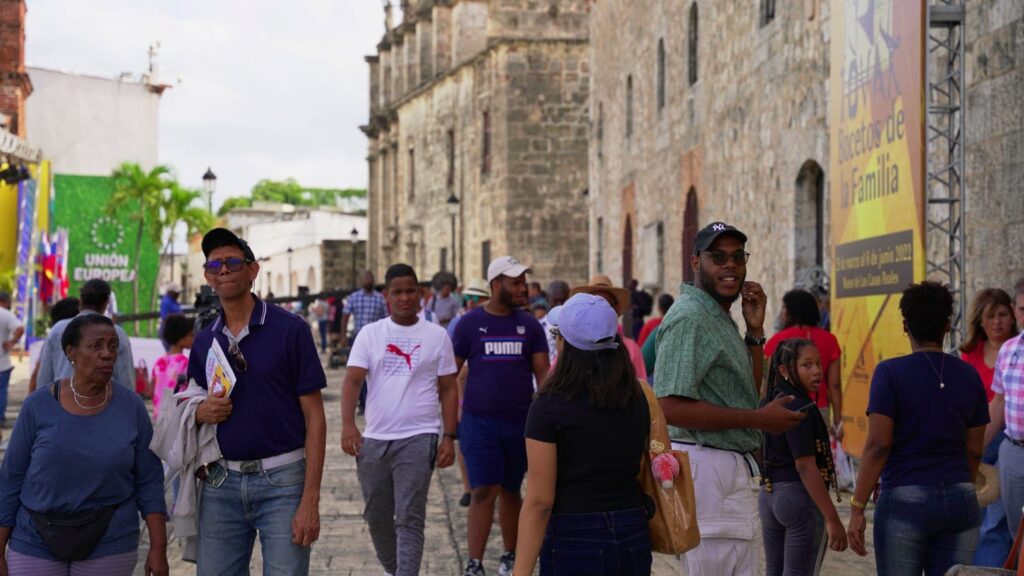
{"points": [[176, 208], [142, 192]]}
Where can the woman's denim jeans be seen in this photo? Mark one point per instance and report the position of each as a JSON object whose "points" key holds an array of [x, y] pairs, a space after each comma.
{"points": [[925, 528], [599, 544]]}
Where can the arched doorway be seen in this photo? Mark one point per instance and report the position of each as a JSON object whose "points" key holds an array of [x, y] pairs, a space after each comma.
{"points": [[809, 222], [627, 252], [691, 223]]}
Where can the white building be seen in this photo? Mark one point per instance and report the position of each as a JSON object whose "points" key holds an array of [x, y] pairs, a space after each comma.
{"points": [[312, 235], [88, 125]]}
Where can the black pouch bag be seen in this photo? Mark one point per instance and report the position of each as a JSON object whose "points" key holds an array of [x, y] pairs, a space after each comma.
{"points": [[71, 537]]}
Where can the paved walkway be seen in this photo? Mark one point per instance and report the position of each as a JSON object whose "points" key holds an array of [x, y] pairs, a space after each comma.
{"points": [[344, 547]]}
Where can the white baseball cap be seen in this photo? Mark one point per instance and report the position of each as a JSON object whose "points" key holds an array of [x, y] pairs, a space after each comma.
{"points": [[506, 266]]}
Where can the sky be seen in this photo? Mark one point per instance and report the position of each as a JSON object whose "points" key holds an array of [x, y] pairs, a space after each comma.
{"points": [[261, 89]]}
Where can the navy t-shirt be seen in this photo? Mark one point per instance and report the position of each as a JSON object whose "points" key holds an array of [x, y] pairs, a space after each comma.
{"points": [[929, 422], [282, 365], [782, 450], [499, 350]]}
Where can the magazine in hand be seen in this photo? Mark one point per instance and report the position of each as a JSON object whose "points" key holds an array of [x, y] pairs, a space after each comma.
{"points": [[220, 378]]}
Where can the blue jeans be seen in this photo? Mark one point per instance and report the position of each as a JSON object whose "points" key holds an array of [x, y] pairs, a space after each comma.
{"points": [[995, 538], [322, 326], [925, 528], [5, 380], [599, 544], [231, 515]]}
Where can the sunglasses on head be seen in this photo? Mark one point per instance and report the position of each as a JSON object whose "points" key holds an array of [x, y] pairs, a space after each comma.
{"points": [[232, 264], [236, 353], [720, 258]]}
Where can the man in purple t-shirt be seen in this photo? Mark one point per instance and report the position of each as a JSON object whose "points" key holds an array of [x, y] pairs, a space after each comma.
{"points": [[506, 349]]}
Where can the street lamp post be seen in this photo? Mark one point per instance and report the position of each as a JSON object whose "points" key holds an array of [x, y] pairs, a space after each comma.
{"points": [[290, 287], [355, 241], [453, 211], [209, 187]]}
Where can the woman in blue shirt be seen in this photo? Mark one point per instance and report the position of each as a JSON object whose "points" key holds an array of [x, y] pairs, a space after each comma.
{"points": [[927, 413], [78, 470]]}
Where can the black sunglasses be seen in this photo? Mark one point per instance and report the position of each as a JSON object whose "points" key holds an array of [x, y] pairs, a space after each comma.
{"points": [[233, 265], [236, 353], [720, 258]]}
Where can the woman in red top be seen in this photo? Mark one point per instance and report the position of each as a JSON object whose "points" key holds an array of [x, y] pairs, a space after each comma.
{"points": [[800, 317], [990, 324]]}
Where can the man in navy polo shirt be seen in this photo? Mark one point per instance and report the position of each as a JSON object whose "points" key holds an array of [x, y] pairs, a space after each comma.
{"points": [[271, 430]]}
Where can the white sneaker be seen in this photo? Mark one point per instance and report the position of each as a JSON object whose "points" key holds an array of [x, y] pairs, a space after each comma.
{"points": [[507, 563]]}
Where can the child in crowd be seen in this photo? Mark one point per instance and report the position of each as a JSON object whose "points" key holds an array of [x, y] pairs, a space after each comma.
{"points": [[178, 333], [798, 470]]}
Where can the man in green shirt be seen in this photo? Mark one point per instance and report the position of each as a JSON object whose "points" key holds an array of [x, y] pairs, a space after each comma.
{"points": [[706, 379]]}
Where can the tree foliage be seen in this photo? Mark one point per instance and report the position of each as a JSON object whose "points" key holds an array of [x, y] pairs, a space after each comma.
{"points": [[290, 192]]}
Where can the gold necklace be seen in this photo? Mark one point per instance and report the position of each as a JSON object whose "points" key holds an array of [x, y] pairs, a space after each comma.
{"points": [[942, 368]]}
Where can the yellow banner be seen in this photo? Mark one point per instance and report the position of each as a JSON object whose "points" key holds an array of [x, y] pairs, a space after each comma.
{"points": [[877, 171], [41, 172], [8, 227]]}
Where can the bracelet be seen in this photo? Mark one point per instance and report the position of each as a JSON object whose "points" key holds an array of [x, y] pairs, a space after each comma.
{"points": [[451, 435], [856, 504]]}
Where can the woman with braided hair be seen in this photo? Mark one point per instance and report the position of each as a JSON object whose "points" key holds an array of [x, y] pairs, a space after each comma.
{"points": [[794, 503]]}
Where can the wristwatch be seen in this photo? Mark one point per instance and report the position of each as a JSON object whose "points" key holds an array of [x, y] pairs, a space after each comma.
{"points": [[754, 340], [451, 435]]}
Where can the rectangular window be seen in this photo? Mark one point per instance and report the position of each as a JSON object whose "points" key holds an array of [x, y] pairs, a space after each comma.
{"points": [[485, 256], [412, 173], [451, 158], [600, 245], [485, 164], [767, 12], [444, 259], [600, 130]]}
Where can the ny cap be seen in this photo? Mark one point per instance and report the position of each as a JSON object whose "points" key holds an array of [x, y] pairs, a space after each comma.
{"points": [[219, 237], [706, 237]]}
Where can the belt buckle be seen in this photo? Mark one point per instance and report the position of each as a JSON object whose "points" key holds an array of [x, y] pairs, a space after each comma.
{"points": [[250, 467]]}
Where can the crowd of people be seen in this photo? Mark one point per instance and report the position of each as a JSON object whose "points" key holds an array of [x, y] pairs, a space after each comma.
{"points": [[513, 382]]}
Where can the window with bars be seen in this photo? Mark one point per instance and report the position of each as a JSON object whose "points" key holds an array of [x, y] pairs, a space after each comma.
{"points": [[692, 45], [629, 106], [485, 152], [451, 157], [661, 75]]}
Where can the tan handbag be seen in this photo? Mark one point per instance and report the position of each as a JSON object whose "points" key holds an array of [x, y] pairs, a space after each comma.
{"points": [[674, 523]]}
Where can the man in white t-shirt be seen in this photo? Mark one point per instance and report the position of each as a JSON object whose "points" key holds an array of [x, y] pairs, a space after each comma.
{"points": [[409, 368], [11, 330]]}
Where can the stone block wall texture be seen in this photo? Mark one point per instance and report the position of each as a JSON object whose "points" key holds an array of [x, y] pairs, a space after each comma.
{"points": [[15, 85], [738, 137], [756, 120], [429, 143], [336, 259], [994, 143]]}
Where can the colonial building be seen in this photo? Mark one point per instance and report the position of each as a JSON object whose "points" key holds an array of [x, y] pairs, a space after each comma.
{"points": [[478, 129], [704, 110]]}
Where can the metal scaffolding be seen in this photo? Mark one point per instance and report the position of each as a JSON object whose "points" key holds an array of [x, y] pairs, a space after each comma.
{"points": [[944, 210]]}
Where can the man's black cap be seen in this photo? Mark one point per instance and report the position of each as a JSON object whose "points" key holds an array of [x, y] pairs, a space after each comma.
{"points": [[706, 237], [219, 237]]}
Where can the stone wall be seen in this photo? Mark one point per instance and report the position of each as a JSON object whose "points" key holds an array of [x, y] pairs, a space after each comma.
{"points": [[750, 137], [738, 137], [336, 267], [995, 143], [524, 82]]}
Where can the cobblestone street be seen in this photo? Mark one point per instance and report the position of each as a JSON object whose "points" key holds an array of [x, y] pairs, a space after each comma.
{"points": [[344, 547]]}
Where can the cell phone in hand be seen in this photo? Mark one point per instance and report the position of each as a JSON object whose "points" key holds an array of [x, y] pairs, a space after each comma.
{"points": [[806, 407]]}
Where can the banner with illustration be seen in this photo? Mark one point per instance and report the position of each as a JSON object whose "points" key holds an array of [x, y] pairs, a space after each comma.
{"points": [[102, 245], [877, 180]]}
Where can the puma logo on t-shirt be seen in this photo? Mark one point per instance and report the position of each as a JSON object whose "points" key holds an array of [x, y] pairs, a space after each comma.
{"points": [[394, 349], [495, 349]]}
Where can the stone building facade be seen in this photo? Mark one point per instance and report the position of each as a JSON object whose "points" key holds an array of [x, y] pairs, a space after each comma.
{"points": [[483, 102], [704, 110]]}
